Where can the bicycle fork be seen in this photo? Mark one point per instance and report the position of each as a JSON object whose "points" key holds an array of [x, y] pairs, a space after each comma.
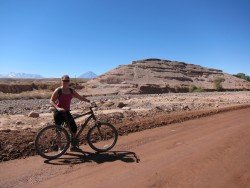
{"points": [[98, 125]]}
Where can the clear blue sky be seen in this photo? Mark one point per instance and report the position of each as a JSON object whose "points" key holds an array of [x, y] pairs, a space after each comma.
{"points": [[55, 37]]}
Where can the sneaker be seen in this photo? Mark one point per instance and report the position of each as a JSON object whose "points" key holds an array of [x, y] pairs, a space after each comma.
{"points": [[74, 142], [75, 149]]}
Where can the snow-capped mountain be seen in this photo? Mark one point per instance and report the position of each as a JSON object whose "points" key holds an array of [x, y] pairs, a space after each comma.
{"points": [[88, 74], [20, 75]]}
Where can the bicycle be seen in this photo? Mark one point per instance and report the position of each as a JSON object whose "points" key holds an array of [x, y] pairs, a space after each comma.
{"points": [[53, 141]]}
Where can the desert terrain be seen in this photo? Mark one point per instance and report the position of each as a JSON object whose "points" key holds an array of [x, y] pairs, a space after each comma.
{"points": [[125, 112], [206, 152], [186, 133]]}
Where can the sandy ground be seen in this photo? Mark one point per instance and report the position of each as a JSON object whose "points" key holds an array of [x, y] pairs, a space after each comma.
{"points": [[211, 151], [14, 113]]}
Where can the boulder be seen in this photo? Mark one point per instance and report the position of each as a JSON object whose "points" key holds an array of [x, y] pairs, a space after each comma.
{"points": [[52, 109], [33, 114], [121, 105]]}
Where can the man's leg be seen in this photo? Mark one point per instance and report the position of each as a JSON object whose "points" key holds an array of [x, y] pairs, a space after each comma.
{"points": [[58, 121], [73, 129]]}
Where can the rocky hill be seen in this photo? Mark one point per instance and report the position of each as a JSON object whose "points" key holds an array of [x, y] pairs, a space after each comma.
{"points": [[161, 76]]}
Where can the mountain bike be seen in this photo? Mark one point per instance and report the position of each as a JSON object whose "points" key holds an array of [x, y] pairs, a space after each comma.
{"points": [[53, 141]]}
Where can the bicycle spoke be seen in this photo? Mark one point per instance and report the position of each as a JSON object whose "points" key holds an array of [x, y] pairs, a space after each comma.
{"points": [[102, 137], [50, 142]]}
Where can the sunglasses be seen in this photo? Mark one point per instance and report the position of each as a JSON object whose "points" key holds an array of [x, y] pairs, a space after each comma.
{"points": [[65, 80]]}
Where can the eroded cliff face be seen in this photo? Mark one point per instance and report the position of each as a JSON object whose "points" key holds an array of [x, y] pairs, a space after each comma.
{"points": [[162, 76], [18, 85], [19, 88]]}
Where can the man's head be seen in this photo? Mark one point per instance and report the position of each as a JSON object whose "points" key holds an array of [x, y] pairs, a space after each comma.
{"points": [[65, 79]]}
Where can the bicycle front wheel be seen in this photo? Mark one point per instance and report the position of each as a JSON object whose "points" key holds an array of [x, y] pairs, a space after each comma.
{"points": [[102, 137], [52, 142]]}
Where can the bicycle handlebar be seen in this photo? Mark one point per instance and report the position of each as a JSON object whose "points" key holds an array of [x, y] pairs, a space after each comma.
{"points": [[93, 105]]}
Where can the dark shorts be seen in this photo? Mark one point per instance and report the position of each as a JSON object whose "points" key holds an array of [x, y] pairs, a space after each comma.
{"points": [[60, 117]]}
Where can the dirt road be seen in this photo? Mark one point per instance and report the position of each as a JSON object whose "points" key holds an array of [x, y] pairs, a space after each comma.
{"points": [[207, 152]]}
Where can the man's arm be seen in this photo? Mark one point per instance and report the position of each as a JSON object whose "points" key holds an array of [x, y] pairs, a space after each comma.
{"points": [[82, 98]]}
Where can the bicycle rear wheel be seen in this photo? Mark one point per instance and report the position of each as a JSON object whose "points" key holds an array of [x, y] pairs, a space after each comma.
{"points": [[102, 137], [52, 142]]}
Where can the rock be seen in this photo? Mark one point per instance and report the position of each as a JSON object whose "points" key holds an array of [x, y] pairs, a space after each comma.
{"points": [[170, 109], [108, 104], [7, 130], [185, 107], [126, 108], [31, 143], [5, 159], [121, 105], [158, 108], [9, 147], [19, 123], [33, 114], [52, 109]]}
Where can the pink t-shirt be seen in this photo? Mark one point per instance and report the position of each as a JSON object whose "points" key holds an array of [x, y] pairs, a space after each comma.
{"points": [[64, 101]]}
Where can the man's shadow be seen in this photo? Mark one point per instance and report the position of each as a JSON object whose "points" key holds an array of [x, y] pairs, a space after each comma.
{"points": [[88, 157]]}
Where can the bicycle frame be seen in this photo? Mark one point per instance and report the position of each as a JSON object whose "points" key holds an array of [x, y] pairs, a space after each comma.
{"points": [[92, 116]]}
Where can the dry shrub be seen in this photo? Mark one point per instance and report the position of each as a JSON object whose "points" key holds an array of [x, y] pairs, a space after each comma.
{"points": [[218, 83], [194, 88], [36, 94]]}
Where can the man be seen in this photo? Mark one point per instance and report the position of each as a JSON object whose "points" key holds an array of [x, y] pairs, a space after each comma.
{"points": [[61, 100]]}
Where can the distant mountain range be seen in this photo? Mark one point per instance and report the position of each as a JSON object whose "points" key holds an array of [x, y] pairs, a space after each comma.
{"points": [[20, 75], [88, 75]]}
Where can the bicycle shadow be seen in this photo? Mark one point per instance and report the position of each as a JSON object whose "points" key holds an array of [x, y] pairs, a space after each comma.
{"points": [[88, 157]]}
